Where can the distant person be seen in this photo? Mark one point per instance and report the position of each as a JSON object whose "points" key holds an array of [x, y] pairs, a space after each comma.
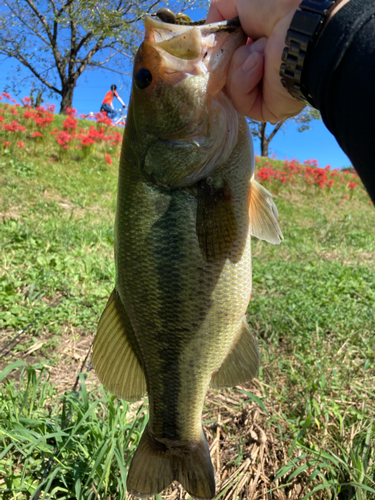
{"points": [[107, 104], [329, 64]]}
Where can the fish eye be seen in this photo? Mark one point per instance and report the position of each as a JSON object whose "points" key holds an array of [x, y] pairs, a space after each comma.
{"points": [[143, 79]]}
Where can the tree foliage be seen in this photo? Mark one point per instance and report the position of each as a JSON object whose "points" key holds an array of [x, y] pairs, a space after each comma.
{"points": [[303, 122], [57, 40]]}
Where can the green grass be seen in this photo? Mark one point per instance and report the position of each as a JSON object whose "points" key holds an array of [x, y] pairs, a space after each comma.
{"points": [[63, 446], [312, 310]]}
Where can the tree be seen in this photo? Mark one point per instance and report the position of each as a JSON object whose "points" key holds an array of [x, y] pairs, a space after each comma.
{"points": [[57, 40], [303, 120]]}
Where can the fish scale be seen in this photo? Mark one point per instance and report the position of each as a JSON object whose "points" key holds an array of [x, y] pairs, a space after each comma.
{"points": [[186, 208]]}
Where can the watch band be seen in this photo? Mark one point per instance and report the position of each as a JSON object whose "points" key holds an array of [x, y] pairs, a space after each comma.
{"points": [[305, 29]]}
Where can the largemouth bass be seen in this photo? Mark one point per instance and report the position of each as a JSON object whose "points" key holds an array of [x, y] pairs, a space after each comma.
{"points": [[187, 205]]}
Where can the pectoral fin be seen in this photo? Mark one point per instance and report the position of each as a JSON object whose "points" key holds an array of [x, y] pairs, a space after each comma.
{"points": [[263, 214], [242, 362], [114, 359], [216, 221]]}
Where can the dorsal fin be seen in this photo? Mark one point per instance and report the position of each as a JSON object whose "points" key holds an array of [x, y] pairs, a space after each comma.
{"points": [[115, 361], [263, 214]]}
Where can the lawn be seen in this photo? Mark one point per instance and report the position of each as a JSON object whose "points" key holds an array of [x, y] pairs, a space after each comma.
{"points": [[304, 428]]}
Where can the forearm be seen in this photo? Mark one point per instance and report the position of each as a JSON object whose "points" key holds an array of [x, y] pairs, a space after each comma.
{"points": [[121, 101], [341, 79]]}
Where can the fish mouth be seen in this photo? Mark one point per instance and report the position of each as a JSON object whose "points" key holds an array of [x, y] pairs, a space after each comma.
{"points": [[169, 37], [195, 50], [169, 30]]}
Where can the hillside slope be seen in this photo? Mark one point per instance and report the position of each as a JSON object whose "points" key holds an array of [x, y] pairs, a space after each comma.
{"points": [[307, 424]]}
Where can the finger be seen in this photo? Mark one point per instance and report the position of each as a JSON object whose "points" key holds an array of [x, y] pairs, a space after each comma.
{"points": [[221, 10], [259, 45], [214, 15], [242, 53], [243, 79]]}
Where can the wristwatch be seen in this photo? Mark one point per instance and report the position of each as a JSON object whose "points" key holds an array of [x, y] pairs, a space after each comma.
{"points": [[305, 29]]}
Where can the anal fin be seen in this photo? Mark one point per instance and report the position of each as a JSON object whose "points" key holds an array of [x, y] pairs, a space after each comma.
{"points": [[115, 361], [241, 363], [263, 214]]}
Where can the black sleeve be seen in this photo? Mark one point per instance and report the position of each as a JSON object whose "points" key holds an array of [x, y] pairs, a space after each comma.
{"points": [[340, 77]]}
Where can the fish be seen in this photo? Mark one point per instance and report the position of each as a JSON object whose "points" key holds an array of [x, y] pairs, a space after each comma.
{"points": [[187, 205]]}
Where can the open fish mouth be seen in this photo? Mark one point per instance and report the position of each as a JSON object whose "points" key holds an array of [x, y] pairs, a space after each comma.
{"points": [[194, 49]]}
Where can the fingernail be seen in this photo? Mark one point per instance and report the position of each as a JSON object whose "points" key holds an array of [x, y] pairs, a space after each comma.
{"points": [[250, 62]]}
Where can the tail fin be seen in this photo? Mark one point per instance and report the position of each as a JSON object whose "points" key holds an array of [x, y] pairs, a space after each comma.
{"points": [[155, 466]]}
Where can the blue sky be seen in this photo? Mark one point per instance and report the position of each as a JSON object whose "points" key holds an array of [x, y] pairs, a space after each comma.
{"points": [[317, 143]]}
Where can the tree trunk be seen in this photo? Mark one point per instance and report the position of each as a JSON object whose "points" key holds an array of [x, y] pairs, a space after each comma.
{"points": [[67, 96], [264, 142]]}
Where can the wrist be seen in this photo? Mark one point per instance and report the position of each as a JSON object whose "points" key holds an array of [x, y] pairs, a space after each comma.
{"points": [[305, 29]]}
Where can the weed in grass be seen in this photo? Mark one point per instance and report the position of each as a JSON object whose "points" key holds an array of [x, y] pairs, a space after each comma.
{"points": [[90, 438]]}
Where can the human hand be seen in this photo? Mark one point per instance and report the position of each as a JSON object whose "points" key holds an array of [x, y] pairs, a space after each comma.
{"points": [[253, 83]]}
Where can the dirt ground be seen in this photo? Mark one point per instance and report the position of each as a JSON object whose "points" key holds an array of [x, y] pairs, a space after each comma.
{"points": [[245, 451]]}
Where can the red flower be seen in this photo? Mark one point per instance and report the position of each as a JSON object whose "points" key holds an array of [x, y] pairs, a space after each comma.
{"points": [[352, 185], [311, 163], [36, 134], [108, 159], [63, 139], [103, 118], [70, 124], [71, 112], [42, 119], [20, 144], [6, 144], [86, 141], [14, 127], [29, 114]]}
